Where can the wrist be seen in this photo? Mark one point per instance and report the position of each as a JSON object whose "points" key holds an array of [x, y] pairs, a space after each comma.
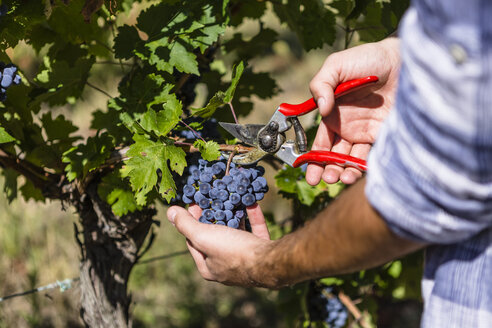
{"points": [[267, 269]]}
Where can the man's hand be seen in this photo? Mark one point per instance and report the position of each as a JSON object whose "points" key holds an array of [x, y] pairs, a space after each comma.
{"points": [[350, 125], [223, 254]]}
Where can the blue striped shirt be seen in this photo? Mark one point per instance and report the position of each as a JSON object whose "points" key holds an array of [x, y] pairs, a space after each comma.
{"points": [[430, 170]]}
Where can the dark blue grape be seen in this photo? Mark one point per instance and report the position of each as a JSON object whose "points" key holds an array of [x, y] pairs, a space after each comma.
{"points": [[223, 195], [256, 186], [186, 200], [206, 177], [246, 173], [233, 223], [228, 205], [202, 219], [235, 198], [220, 215], [190, 180], [205, 188], [196, 174], [262, 181], [231, 187], [228, 214], [204, 203], [208, 214], [217, 204], [219, 184], [220, 223], [227, 179], [239, 214], [217, 169], [241, 189], [6, 81], [213, 193], [243, 180], [248, 199], [189, 190], [198, 196], [259, 196], [233, 172]]}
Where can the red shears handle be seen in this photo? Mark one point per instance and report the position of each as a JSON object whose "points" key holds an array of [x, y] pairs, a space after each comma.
{"points": [[324, 157], [342, 89]]}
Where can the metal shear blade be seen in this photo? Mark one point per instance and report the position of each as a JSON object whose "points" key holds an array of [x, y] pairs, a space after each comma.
{"points": [[246, 133]]}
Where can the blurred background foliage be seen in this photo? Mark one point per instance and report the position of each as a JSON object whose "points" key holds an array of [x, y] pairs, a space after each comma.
{"points": [[37, 238]]}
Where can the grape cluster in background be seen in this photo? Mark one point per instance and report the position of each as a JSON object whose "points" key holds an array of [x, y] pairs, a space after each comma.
{"points": [[223, 197], [8, 75], [325, 306]]}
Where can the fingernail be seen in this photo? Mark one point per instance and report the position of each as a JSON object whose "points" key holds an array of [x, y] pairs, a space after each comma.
{"points": [[171, 214]]}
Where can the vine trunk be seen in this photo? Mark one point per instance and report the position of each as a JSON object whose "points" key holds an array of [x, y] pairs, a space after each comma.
{"points": [[110, 248]]}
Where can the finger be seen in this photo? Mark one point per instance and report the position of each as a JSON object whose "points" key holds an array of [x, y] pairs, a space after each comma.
{"points": [[186, 224], [195, 211], [323, 141], [257, 222], [322, 86], [200, 260], [351, 175], [332, 172]]}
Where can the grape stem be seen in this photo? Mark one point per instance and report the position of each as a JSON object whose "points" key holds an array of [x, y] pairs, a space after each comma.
{"points": [[192, 130], [359, 318], [229, 161], [233, 111]]}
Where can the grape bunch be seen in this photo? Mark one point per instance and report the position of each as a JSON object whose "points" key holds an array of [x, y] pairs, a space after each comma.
{"points": [[224, 198], [324, 305], [8, 75]]}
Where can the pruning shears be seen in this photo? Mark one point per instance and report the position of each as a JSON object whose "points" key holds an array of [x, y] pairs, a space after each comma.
{"points": [[269, 139]]}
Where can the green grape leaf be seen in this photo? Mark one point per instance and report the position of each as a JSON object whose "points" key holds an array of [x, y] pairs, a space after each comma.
{"points": [[29, 191], [84, 158], [236, 75], [286, 179], [183, 59], [248, 9], [293, 181], [209, 150], [58, 128], [4, 136], [307, 193], [61, 81], [125, 42], [156, 18], [312, 20], [117, 193], [215, 102], [10, 183], [146, 158], [221, 98], [162, 122], [69, 24]]}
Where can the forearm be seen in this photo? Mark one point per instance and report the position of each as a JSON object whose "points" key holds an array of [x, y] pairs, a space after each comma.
{"points": [[347, 236]]}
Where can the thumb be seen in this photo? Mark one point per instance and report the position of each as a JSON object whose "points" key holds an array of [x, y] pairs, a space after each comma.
{"points": [[322, 86], [184, 222]]}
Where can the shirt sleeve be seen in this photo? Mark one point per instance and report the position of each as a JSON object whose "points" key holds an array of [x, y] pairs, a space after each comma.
{"points": [[430, 170]]}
